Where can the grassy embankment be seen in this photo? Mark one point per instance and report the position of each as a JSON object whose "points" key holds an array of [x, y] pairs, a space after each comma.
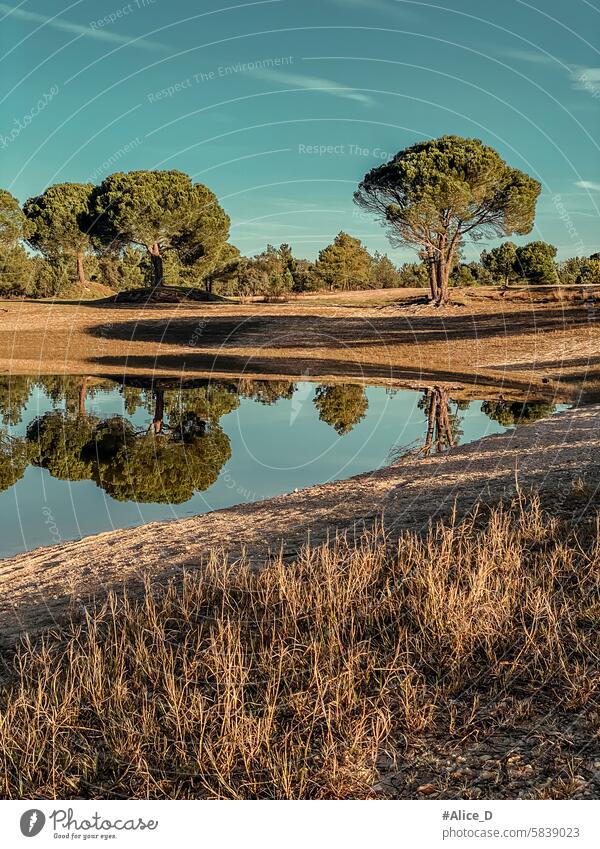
{"points": [[291, 682]]}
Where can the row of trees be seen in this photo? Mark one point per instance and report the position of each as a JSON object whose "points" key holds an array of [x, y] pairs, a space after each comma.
{"points": [[533, 263], [122, 228], [343, 265], [144, 227], [434, 196]]}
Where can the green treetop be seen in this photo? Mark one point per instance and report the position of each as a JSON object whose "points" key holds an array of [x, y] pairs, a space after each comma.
{"points": [[342, 405], [14, 225], [162, 465], [60, 223], [161, 211], [14, 395], [536, 262], [345, 263], [508, 413], [60, 442], [501, 262], [437, 193], [13, 460]]}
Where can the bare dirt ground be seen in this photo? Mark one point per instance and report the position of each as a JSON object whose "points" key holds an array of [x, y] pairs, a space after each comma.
{"points": [[542, 342], [558, 457]]}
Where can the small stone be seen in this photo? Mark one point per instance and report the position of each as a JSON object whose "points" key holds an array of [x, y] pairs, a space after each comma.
{"points": [[427, 789], [486, 775]]}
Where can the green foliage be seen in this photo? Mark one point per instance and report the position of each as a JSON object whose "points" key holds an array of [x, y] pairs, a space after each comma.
{"points": [[414, 275], [265, 274], [60, 443], [383, 273], [17, 271], [345, 264], [591, 274], [436, 193], [207, 403], [501, 262], [535, 263], [67, 391], [342, 405], [127, 269], [206, 253], [13, 223], [267, 391], [161, 211], [508, 413], [219, 276], [159, 467], [580, 271], [49, 277], [59, 220], [14, 395], [470, 274], [173, 459], [306, 277], [13, 460]]}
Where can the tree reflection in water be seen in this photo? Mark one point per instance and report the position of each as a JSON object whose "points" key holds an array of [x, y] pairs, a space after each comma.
{"points": [[342, 406], [181, 452], [184, 448], [443, 424], [444, 421]]}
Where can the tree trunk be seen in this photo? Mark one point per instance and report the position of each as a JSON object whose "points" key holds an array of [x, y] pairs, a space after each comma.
{"points": [[432, 275], [157, 265], [159, 411], [439, 422], [80, 270], [446, 418], [430, 422], [439, 426], [443, 278], [82, 396]]}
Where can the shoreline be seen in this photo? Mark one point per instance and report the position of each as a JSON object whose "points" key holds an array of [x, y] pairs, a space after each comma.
{"points": [[40, 587], [488, 345]]}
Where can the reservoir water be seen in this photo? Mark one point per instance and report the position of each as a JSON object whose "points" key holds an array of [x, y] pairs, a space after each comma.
{"points": [[79, 456]]}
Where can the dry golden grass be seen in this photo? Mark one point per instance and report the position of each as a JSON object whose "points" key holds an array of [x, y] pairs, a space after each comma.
{"points": [[289, 682]]}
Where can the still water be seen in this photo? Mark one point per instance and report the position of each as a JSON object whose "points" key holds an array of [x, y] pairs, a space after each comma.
{"points": [[81, 455]]}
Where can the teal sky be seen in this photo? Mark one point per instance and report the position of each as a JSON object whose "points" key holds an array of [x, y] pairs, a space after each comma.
{"points": [[281, 106]]}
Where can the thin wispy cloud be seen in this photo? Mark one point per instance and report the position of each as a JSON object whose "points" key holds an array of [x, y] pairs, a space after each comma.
{"points": [[582, 78], [586, 79], [390, 6], [300, 81], [100, 34], [363, 4], [592, 74], [589, 185], [534, 57]]}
